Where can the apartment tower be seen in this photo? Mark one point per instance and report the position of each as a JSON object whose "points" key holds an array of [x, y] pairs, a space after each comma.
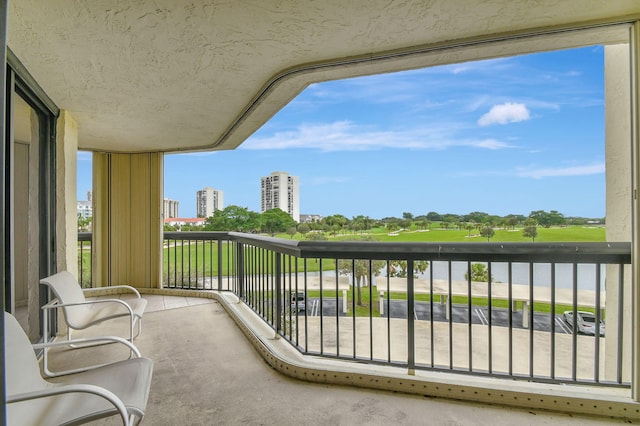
{"points": [[208, 200], [281, 191], [170, 208]]}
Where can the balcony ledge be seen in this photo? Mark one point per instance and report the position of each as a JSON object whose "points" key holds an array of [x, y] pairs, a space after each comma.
{"points": [[280, 355]]}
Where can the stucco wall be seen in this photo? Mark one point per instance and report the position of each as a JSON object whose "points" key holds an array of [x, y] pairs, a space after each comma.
{"points": [[618, 198], [66, 194]]}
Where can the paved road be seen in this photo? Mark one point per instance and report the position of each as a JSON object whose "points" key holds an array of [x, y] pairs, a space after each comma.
{"points": [[459, 314]]}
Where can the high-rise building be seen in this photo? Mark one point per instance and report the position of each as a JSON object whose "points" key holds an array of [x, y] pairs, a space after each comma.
{"points": [[208, 200], [85, 207], [170, 208], [281, 191]]}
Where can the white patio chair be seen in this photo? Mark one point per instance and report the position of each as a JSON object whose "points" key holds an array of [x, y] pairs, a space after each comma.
{"points": [[120, 388], [80, 313]]}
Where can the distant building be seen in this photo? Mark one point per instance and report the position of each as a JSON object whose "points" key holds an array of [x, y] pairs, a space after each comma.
{"points": [[170, 208], [208, 200], [85, 208], [281, 191], [310, 218]]}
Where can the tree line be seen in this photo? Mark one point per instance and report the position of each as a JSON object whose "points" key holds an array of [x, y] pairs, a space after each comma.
{"points": [[275, 221]]}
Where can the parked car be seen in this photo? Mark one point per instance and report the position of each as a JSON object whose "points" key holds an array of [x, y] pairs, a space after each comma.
{"points": [[586, 323], [298, 301]]}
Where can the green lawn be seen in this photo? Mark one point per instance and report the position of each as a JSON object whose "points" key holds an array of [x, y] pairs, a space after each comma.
{"points": [[204, 257], [201, 257], [565, 234]]}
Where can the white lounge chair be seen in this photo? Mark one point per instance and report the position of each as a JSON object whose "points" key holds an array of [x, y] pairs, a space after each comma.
{"points": [[81, 313], [120, 388]]}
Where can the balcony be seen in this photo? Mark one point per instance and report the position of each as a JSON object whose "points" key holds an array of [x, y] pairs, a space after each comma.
{"points": [[461, 340], [209, 372]]}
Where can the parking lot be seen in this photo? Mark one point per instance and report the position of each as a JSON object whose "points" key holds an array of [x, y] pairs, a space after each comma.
{"points": [[459, 314]]}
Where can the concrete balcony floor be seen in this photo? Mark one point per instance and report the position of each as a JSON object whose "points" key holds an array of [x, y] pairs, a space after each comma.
{"points": [[207, 372]]}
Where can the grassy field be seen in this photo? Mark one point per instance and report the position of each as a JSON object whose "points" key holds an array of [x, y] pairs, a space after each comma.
{"points": [[202, 256], [545, 235], [179, 260]]}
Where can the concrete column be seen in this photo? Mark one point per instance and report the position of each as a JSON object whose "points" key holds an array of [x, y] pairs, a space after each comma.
{"points": [[345, 304], [127, 195], [634, 299], [381, 302], [66, 194], [525, 314], [618, 199]]}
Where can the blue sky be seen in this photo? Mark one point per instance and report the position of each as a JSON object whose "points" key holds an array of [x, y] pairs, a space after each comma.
{"points": [[501, 136]]}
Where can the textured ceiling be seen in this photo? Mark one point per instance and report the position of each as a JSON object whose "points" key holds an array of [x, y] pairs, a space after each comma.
{"points": [[169, 75]]}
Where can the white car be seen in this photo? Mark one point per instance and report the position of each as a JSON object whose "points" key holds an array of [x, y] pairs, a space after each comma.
{"points": [[586, 323], [298, 301]]}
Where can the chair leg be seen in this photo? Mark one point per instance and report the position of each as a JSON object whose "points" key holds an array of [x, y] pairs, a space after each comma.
{"points": [[139, 328]]}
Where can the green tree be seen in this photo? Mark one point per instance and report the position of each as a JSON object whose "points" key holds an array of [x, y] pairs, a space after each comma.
{"points": [[316, 236], [276, 220], [336, 220], [359, 269], [557, 218], [530, 232], [399, 269], [511, 221], [292, 231], [478, 217], [84, 223], [487, 232], [424, 224], [303, 228], [434, 217], [479, 272], [233, 218], [544, 219], [361, 223], [405, 224], [470, 226]]}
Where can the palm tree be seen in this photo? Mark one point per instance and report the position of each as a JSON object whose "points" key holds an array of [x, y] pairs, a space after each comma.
{"points": [[470, 226]]}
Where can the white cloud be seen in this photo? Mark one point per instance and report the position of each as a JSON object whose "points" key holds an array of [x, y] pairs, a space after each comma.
{"points": [[593, 169], [491, 144], [505, 113], [347, 136]]}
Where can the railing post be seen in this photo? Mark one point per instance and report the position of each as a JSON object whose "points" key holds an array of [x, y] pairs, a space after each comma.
{"points": [[278, 282], [411, 355], [220, 264], [240, 272]]}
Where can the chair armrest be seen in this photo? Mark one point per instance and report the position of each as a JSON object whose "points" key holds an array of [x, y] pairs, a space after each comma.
{"points": [[113, 339], [89, 341], [74, 388], [55, 303], [88, 291]]}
